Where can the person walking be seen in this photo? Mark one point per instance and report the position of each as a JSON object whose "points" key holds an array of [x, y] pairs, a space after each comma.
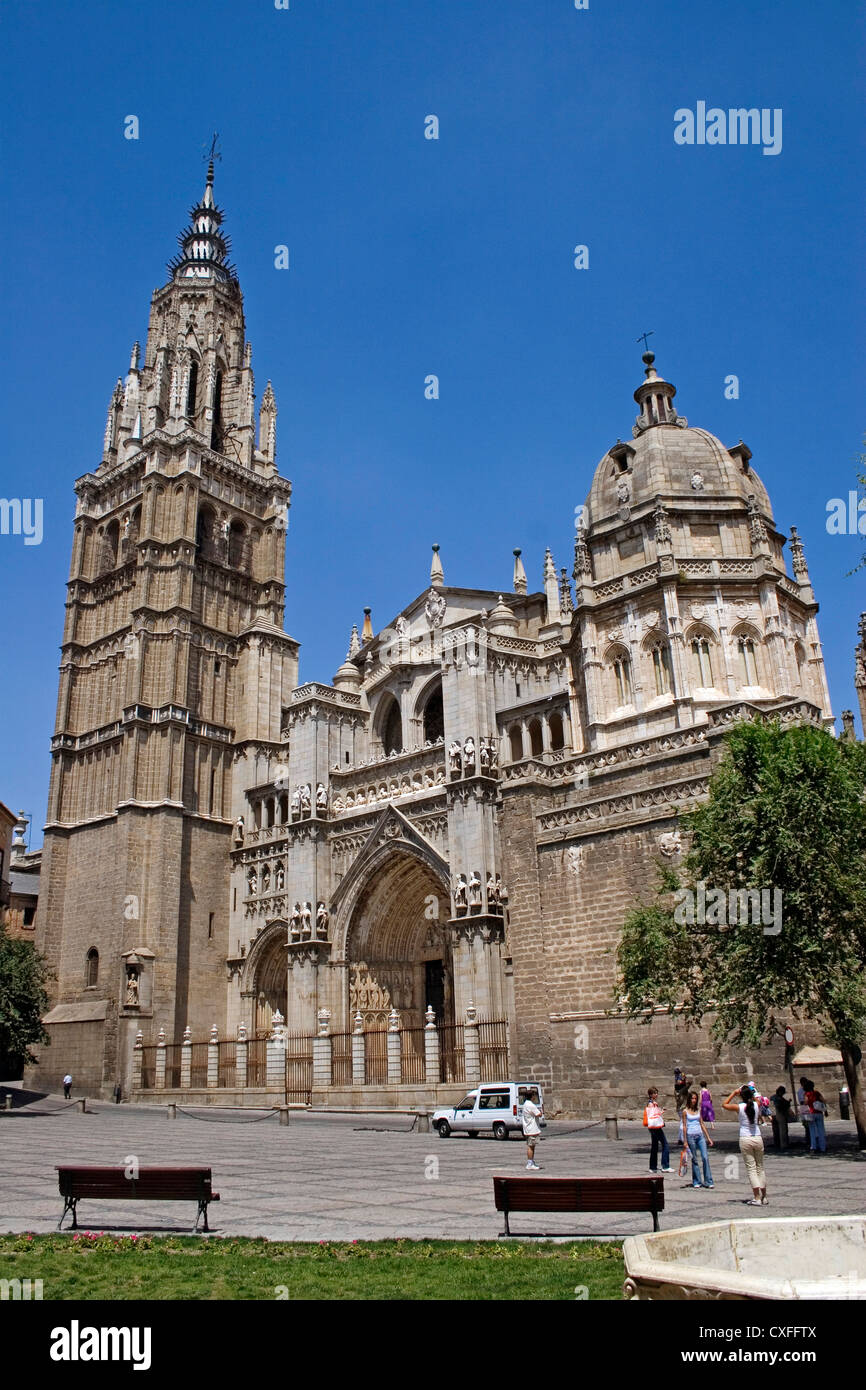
{"points": [[532, 1113], [681, 1087], [693, 1132], [708, 1114], [654, 1121], [781, 1118], [67, 1087], [751, 1143]]}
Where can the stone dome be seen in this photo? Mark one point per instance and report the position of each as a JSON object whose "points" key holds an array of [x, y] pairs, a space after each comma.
{"points": [[670, 459]]}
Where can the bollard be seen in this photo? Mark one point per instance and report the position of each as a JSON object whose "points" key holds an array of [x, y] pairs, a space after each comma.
{"points": [[423, 1119], [611, 1127], [284, 1114], [172, 1110], [8, 1100], [82, 1105]]}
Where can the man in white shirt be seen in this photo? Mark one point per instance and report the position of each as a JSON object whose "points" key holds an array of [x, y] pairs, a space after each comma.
{"points": [[532, 1113]]}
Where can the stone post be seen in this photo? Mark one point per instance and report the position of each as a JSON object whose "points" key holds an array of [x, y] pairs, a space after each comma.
{"points": [[186, 1059], [431, 1048], [472, 1047], [213, 1058], [241, 1050], [322, 1050], [137, 1060], [359, 1054], [159, 1079], [276, 1067], [395, 1070]]}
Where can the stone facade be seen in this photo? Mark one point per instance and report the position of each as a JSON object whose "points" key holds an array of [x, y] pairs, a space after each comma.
{"points": [[464, 815]]}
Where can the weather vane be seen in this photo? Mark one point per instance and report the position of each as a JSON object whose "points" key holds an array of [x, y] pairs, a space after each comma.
{"points": [[213, 153], [643, 339]]}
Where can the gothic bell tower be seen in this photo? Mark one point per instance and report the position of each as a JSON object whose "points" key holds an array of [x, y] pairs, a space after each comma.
{"points": [[174, 663]]}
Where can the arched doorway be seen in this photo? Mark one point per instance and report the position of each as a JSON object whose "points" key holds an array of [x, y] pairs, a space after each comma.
{"points": [[270, 982], [398, 950]]}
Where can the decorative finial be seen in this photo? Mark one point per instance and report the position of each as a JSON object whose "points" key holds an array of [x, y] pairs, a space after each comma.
{"points": [[134, 356], [367, 633], [354, 643], [437, 575], [519, 574]]}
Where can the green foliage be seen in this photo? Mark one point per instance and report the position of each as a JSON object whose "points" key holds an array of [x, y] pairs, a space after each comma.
{"points": [[786, 811], [23, 999]]}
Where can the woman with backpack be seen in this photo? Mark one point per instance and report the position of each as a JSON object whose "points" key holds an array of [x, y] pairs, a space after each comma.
{"points": [[751, 1143]]}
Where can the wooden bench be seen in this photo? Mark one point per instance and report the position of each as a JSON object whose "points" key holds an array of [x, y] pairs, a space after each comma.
{"points": [[150, 1185], [578, 1194]]}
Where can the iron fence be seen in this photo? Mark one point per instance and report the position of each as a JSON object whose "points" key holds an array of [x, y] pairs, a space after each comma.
{"points": [[227, 1071], [257, 1061], [452, 1052], [412, 1068], [173, 1055], [493, 1045], [299, 1068], [376, 1058], [341, 1059], [198, 1065], [148, 1068]]}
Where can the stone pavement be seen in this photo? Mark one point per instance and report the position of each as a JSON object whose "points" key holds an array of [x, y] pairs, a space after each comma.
{"points": [[367, 1177]]}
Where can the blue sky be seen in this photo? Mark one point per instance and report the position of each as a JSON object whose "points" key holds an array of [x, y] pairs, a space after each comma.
{"points": [[411, 256]]}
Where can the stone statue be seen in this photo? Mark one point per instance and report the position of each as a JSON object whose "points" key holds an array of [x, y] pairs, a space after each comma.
{"points": [[296, 802], [485, 757], [460, 889], [266, 878], [474, 890], [306, 799], [469, 755], [239, 831], [321, 797], [454, 756], [492, 895], [322, 922], [280, 878], [307, 920], [503, 893], [131, 1000], [252, 881], [295, 922], [494, 757]]}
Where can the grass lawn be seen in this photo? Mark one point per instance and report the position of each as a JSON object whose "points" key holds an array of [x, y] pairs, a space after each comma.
{"points": [[102, 1266]]}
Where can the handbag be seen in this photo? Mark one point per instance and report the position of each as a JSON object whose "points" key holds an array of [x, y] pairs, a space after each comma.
{"points": [[684, 1163]]}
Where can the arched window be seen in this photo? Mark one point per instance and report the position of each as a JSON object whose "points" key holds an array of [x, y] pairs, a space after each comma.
{"points": [[802, 669], [205, 531], [702, 658], [237, 546], [621, 670], [216, 433], [192, 390], [515, 739], [557, 737], [434, 717], [392, 730], [662, 668], [110, 546], [91, 968], [536, 739], [748, 660]]}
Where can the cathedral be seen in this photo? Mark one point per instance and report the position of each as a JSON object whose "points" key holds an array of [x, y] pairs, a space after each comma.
{"points": [[458, 822]]}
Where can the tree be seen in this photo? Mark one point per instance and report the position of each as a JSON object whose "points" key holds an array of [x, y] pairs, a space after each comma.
{"points": [[786, 813], [23, 1001]]}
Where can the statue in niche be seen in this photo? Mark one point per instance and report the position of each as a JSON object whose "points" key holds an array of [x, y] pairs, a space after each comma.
{"points": [[295, 922], [296, 802], [306, 795], [266, 879], [492, 899], [474, 890], [484, 757], [252, 881], [503, 893], [321, 798], [360, 799], [280, 878], [491, 748], [469, 755], [454, 757], [239, 831], [440, 777], [307, 920], [322, 920], [460, 891], [132, 999]]}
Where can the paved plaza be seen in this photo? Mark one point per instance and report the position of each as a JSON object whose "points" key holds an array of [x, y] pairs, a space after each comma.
{"points": [[368, 1177]]}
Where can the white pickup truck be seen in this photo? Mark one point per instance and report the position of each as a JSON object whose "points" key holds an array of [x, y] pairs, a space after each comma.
{"points": [[495, 1106]]}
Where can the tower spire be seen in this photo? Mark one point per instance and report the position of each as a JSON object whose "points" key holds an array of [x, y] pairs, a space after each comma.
{"points": [[203, 247]]}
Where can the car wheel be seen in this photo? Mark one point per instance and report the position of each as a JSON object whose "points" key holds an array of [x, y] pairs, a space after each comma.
{"points": [[473, 1133], [500, 1130], [444, 1129]]}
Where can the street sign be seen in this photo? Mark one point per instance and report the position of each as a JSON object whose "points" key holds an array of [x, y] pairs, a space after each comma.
{"points": [[789, 1036]]}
